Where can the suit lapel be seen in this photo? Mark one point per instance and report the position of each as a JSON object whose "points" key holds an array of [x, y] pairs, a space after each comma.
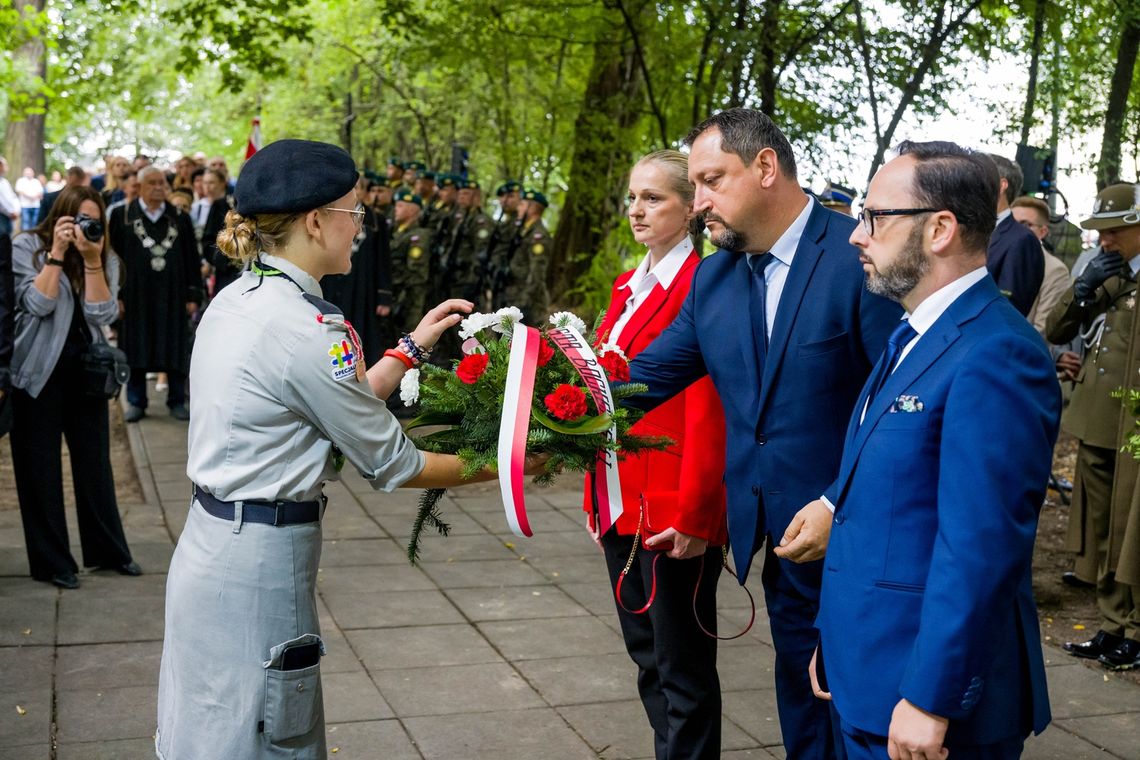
{"points": [[617, 306], [941, 335], [791, 297], [649, 308]]}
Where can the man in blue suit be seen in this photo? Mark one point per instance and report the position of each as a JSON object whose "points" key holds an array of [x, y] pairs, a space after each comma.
{"points": [[781, 322], [928, 629]]}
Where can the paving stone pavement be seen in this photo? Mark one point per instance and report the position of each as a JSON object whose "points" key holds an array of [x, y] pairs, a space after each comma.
{"points": [[494, 647]]}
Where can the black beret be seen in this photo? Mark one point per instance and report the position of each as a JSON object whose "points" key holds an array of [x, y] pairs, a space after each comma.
{"points": [[293, 177]]}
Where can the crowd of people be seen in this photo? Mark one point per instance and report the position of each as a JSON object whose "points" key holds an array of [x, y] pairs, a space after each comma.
{"points": [[867, 401]]}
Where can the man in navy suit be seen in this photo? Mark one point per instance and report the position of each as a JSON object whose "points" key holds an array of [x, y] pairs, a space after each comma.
{"points": [[781, 322], [1014, 256], [928, 630]]}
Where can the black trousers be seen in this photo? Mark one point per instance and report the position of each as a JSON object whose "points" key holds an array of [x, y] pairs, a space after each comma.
{"points": [[39, 425], [676, 661], [136, 388]]}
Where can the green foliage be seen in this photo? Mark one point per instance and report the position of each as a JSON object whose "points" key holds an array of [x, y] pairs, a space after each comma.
{"points": [[1131, 399]]}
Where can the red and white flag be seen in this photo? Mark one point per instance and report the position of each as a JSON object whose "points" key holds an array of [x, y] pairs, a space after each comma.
{"points": [[254, 143]]}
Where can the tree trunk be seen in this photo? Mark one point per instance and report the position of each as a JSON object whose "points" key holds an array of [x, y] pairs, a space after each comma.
{"points": [[1034, 58], [1108, 168], [602, 137], [24, 138]]}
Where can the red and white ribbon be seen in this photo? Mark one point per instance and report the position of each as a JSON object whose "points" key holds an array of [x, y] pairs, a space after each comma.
{"points": [[607, 484], [514, 425]]}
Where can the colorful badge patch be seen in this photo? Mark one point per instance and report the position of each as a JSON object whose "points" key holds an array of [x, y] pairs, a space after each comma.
{"points": [[343, 360]]}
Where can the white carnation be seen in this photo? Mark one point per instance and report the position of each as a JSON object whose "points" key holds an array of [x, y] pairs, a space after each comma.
{"points": [[410, 387], [612, 348], [568, 319], [477, 321], [506, 318]]}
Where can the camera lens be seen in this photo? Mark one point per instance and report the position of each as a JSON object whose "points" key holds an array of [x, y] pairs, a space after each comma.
{"points": [[92, 228]]}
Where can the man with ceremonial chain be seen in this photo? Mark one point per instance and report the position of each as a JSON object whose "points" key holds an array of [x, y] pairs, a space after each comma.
{"points": [[161, 290]]}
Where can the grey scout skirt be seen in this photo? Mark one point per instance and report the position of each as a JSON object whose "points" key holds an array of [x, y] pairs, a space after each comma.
{"points": [[239, 600]]}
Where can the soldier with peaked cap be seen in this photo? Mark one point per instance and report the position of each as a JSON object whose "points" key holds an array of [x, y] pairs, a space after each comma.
{"points": [[503, 240], [1104, 526], [526, 288], [280, 401], [837, 198], [411, 258]]}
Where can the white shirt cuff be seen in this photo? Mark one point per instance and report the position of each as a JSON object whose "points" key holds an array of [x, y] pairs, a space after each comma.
{"points": [[827, 503]]}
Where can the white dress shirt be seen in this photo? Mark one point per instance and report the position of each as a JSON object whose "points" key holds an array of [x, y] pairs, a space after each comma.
{"points": [[644, 280], [153, 216], [776, 273], [9, 203], [199, 211]]}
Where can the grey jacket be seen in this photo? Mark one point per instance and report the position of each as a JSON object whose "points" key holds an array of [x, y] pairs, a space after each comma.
{"points": [[42, 323]]}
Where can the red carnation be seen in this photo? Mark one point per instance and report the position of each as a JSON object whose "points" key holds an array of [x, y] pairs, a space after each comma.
{"points": [[566, 402], [545, 353], [472, 367], [616, 367]]}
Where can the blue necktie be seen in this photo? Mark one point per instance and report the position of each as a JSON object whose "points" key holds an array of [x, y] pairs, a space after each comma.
{"points": [[902, 335], [757, 307]]}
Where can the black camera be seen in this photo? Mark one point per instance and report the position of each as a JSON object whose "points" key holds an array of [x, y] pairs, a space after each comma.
{"points": [[92, 228]]}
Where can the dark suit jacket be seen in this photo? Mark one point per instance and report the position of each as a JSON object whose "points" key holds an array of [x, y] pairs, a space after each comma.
{"points": [[1016, 263], [785, 428], [927, 593], [45, 205], [7, 331], [225, 271]]}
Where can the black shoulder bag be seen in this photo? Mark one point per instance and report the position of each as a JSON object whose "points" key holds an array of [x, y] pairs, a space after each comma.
{"points": [[104, 368]]}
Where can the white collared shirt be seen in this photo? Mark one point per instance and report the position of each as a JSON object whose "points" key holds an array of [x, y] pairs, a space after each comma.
{"points": [[776, 273], [153, 216], [644, 280], [199, 211]]}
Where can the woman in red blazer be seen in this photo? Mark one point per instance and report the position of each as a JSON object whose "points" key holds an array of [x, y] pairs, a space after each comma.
{"points": [[676, 495]]}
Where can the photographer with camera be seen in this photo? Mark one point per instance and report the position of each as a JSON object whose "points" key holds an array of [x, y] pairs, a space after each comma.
{"points": [[66, 289]]}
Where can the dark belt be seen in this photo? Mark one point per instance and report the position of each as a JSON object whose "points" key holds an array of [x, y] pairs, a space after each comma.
{"points": [[266, 512]]}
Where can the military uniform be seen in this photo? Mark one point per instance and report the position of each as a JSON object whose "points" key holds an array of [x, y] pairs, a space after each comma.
{"points": [[411, 273], [469, 252], [526, 287], [1106, 483]]}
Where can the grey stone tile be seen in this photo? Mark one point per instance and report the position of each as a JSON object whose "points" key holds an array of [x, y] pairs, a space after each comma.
{"points": [[615, 730], [339, 657], [1115, 733], [455, 548], [566, 543], [745, 668], [490, 573], [758, 753], [514, 735], [14, 561], [521, 602], [27, 684], [597, 597], [755, 712], [119, 749], [349, 521], [153, 557], [116, 609], [41, 750], [385, 609], [575, 568], [421, 646], [108, 666], [582, 680], [402, 577], [352, 697], [1076, 691], [369, 740], [1055, 743], [454, 689], [87, 715], [362, 551], [29, 612], [559, 637]]}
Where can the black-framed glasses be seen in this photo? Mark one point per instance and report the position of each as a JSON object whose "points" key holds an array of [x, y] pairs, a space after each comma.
{"points": [[869, 214], [357, 214]]}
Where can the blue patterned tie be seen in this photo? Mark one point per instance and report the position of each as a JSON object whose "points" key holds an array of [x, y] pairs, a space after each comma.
{"points": [[902, 335], [757, 307]]}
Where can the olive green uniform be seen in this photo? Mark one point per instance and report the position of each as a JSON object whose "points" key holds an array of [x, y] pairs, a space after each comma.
{"points": [[472, 237], [504, 239], [411, 280], [1103, 491], [526, 286]]}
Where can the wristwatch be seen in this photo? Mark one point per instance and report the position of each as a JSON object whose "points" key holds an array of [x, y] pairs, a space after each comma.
{"points": [[54, 262]]}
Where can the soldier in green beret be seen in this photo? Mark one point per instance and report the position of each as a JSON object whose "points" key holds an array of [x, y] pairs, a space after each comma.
{"points": [[526, 287], [504, 240], [412, 170], [411, 258], [1104, 526], [395, 169], [424, 187], [472, 237]]}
